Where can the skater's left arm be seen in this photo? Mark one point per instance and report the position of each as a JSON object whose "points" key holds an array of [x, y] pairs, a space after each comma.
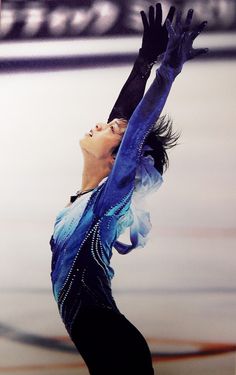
{"points": [[119, 186]]}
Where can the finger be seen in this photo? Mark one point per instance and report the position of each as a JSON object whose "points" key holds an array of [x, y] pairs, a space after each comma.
{"points": [[170, 14], [178, 19], [158, 20], [169, 28], [188, 20], [198, 30], [144, 19], [198, 52], [151, 15]]}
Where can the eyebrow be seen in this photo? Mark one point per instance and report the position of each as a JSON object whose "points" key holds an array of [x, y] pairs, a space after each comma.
{"points": [[117, 123]]}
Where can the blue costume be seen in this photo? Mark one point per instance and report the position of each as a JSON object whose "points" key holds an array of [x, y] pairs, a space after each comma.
{"points": [[86, 231]]}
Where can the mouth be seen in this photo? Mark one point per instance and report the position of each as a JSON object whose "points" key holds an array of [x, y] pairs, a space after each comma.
{"points": [[90, 133]]}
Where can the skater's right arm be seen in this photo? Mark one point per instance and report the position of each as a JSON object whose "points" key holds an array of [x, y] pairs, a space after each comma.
{"points": [[154, 43]]}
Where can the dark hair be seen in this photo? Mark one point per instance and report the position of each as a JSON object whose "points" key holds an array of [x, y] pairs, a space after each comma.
{"points": [[160, 139]]}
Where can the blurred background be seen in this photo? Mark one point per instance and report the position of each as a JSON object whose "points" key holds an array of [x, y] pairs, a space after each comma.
{"points": [[62, 66]]}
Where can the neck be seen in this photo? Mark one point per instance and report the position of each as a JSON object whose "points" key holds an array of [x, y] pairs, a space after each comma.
{"points": [[94, 171]]}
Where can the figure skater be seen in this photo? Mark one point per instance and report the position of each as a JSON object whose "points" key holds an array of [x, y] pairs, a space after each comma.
{"points": [[119, 169]]}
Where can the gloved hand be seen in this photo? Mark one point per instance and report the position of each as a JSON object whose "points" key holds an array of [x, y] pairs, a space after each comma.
{"points": [[179, 47], [155, 35]]}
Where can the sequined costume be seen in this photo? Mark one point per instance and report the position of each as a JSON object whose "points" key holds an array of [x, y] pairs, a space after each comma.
{"points": [[86, 231]]}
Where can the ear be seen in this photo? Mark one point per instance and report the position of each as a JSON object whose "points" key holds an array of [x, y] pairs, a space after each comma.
{"points": [[112, 159]]}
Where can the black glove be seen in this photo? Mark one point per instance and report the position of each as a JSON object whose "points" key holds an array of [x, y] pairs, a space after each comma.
{"points": [[155, 35], [179, 48]]}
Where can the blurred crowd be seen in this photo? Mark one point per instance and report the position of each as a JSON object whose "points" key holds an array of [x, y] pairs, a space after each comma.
{"points": [[24, 19]]}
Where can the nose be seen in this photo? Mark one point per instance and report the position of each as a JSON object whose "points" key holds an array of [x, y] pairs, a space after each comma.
{"points": [[98, 127]]}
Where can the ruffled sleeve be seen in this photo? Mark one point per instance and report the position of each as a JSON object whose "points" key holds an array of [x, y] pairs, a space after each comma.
{"points": [[147, 180]]}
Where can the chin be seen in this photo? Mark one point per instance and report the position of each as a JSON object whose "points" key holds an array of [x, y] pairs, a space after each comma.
{"points": [[83, 137], [81, 142], [84, 142]]}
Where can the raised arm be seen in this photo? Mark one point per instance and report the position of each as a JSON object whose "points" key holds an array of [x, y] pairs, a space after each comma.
{"points": [[120, 183], [154, 42]]}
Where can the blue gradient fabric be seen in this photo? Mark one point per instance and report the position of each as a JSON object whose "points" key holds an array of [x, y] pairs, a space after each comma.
{"points": [[147, 180], [86, 231]]}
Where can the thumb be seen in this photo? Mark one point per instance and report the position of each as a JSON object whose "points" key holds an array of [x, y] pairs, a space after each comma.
{"points": [[198, 52]]}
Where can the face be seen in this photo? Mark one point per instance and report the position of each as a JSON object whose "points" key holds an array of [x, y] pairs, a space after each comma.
{"points": [[103, 138]]}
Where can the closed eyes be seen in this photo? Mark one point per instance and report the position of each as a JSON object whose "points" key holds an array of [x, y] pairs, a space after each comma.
{"points": [[112, 128], [116, 130]]}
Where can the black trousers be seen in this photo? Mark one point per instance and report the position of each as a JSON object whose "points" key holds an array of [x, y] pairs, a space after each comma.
{"points": [[110, 344]]}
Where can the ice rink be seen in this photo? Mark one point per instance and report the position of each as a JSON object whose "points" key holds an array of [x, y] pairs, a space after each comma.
{"points": [[180, 290]]}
